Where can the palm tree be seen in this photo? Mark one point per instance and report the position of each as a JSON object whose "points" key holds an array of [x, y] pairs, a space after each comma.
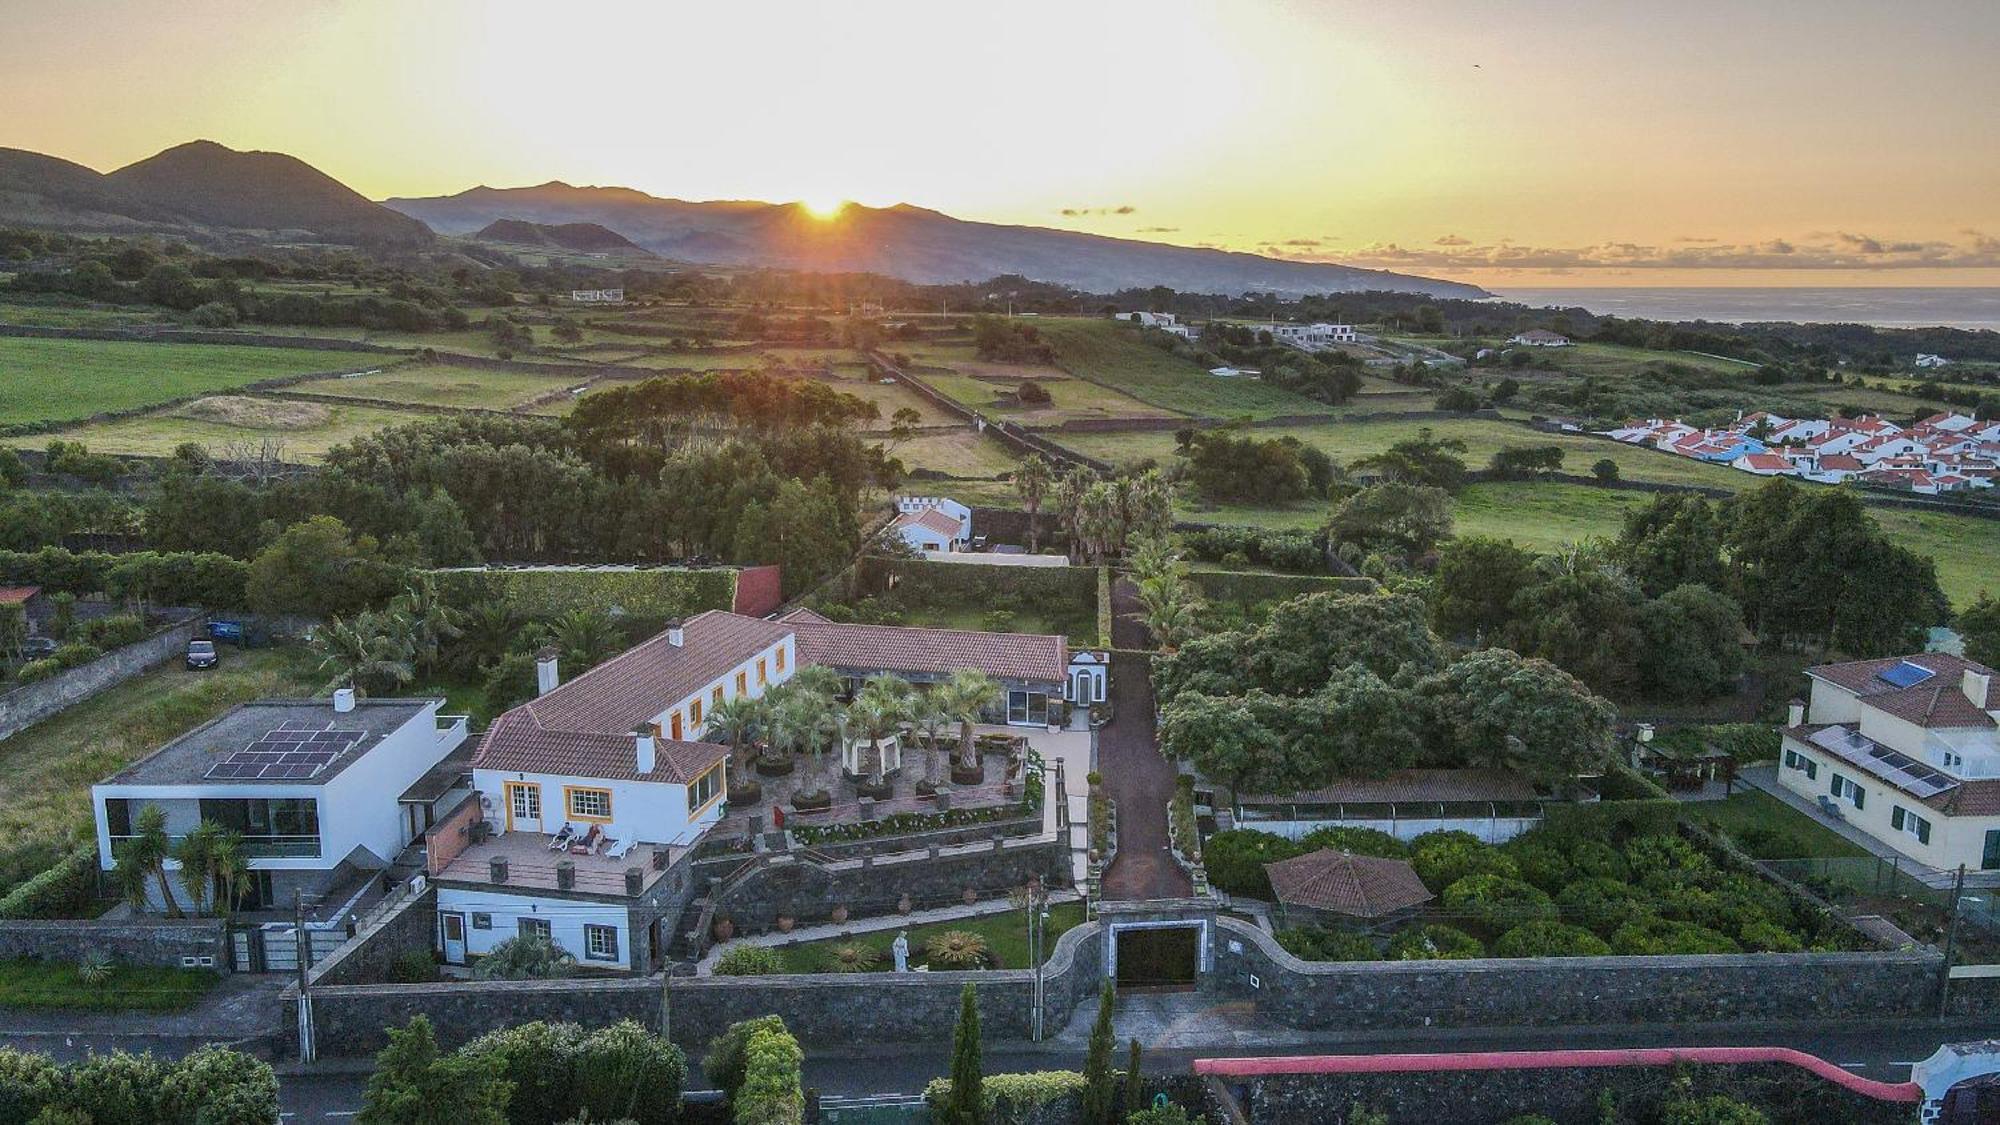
{"points": [[817, 679], [1171, 609], [1069, 492], [369, 650], [736, 718], [966, 695], [231, 867], [432, 621], [878, 710], [929, 712], [586, 637], [196, 853], [1032, 480], [143, 858], [489, 630]]}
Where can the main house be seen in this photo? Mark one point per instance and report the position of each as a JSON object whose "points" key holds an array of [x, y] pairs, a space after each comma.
{"points": [[325, 793], [1907, 749], [592, 797], [933, 523]]}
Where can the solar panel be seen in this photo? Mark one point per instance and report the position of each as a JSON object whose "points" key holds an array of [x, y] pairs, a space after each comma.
{"points": [[294, 751], [1905, 674], [1892, 766]]}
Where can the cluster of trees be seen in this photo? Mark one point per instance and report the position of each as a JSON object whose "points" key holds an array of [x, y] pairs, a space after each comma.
{"points": [[211, 1085], [1170, 605], [1331, 377], [1345, 685], [1103, 516], [1000, 340], [531, 1074], [1234, 465], [213, 865]]}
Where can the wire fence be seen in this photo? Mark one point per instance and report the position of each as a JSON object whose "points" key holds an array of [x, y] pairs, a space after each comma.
{"points": [[1877, 886]]}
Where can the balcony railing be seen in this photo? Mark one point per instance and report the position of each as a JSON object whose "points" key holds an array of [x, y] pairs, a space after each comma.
{"points": [[256, 847]]}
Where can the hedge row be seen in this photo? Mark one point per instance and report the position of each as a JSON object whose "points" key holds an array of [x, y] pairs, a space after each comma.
{"points": [[206, 579], [1281, 550], [1252, 589], [648, 595], [63, 890]]}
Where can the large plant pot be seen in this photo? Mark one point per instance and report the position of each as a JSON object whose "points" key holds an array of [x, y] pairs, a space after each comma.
{"points": [[724, 928], [976, 775], [812, 801], [774, 767], [875, 792], [745, 791]]}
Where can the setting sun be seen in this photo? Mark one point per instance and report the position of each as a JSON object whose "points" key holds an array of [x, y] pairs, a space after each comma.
{"points": [[823, 206]]}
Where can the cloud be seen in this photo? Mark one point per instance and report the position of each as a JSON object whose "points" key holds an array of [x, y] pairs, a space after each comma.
{"points": [[1080, 212], [1452, 240], [1973, 249], [1696, 238]]}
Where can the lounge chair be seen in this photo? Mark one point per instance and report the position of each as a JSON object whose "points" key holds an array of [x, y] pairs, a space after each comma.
{"points": [[621, 848], [561, 839], [588, 842]]}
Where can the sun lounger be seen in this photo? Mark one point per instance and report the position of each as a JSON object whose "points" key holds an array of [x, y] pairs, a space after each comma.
{"points": [[622, 848], [561, 839], [588, 842]]}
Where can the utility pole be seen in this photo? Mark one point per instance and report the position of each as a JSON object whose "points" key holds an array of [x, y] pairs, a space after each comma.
{"points": [[1950, 942], [302, 953]]}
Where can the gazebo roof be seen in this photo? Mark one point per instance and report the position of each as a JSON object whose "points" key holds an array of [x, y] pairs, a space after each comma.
{"points": [[1360, 886]]}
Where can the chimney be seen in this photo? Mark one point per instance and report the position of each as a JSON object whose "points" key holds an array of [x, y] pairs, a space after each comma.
{"points": [[1978, 687], [675, 635], [1796, 716], [547, 675], [643, 748], [343, 700]]}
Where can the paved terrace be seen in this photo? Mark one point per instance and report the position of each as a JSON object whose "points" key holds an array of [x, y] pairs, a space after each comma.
{"points": [[531, 865]]}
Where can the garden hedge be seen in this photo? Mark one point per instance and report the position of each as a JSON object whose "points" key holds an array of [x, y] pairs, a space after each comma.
{"points": [[187, 578], [1012, 1098], [1245, 588], [210, 1086], [1067, 592], [655, 595], [64, 890]]}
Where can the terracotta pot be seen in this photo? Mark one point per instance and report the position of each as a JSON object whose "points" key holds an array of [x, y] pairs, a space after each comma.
{"points": [[839, 914], [724, 928], [904, 905], [785, 923]]}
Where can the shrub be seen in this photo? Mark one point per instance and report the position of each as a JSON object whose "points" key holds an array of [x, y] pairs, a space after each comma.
{"points": [[1663, 860], [749, 961], [772, 1092], [1360, 841], [1435, 943], [1768, 937], [1549, 939], [75, 655], [1443, 858], [208, 1086], [35, 670], [956, 949], [1543, 864], [728, 1053], [1497, 902], [1015, 1097], [525, 958], [539, 1060], [413, 966], [1168, 1114], [1033, 393], [1319, 943], [1717, 1109], [1598, 860], [1655, 936], [626, 1073], [851, 957], [95, 968], [63, 890], [116, 631], [1602, 904], [1235, 860]]}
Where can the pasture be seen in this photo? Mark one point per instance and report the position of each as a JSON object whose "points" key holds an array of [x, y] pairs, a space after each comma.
{"points": [[65, 380], [307, 430], [443, 385], [1114, 355]]}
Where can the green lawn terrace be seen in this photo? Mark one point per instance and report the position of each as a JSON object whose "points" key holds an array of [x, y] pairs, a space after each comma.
{"points": [[449, 385], [302, 431], [53, 381]]}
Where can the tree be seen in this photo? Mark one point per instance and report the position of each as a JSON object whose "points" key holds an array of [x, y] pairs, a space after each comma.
{"points": [[1521, 461], [1585, 619], [1135, 1084], [1425, 459], [1405, 518], [878, 710], [1474, 586], [314, 568], [371, 653], [1672, 540], [1100, 1088], [143, 858], [415, 1085], [1458, 400], [432, 622], [1605, 470], [727, 1054], [625, 1073], [1032, 482], [968, 694], [527, 957], [965, 1104], [587, 637], [1979, 624], [1507, 711], [735, 719], [1693, 643], [772, 1092], [196, 855]]}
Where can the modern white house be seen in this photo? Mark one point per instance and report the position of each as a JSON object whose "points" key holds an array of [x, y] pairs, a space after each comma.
{"points": [[315, 788], [933, 523], [1165, 322], [1906, 749], [1929, 359], [1540, 338], [1312, 337]]}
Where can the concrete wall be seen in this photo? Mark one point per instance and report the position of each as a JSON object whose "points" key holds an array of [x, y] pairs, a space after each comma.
{"points": [[149, 942], [821, 1009], [809, 891], [25, 706], [365, 959], [1557, 991]]}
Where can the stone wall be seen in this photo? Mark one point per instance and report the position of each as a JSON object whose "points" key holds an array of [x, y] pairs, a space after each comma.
{"points": [[147, 942], [30, 704], [365, 959], [1567, 1094], [809, 891], [1571, 991], [821, 1009]]}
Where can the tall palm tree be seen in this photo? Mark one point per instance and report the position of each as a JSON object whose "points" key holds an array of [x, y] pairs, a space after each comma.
{"points": [[586, 637], [196, 853], [879, 710], [966, 695], [1033, 480], [231, 867], [736, 718], [929, 712], [817, 679], [490, 629], [1069, 490], [142, 859], [824, 722], [432, 620]]}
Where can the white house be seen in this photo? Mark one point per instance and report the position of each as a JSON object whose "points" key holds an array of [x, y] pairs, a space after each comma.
{"points": [[1907, 749], [1540, 338], [313, 786], [1312, 337], [1165, 322], [1950, 422], [1764, 464], [1927, 359], [933, 523]]}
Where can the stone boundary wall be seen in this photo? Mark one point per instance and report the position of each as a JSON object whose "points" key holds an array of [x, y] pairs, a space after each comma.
{"points": [[1554, 991], [821, 1009], [173, 335], [580, 372], [30, 704], [135, 942], [1010, 434], [809, 891]]}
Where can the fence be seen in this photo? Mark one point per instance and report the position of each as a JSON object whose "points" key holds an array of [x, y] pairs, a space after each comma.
{"points": [[1871, 884]]}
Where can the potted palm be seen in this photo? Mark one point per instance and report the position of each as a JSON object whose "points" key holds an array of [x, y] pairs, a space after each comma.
{"points": [[967, 695]]}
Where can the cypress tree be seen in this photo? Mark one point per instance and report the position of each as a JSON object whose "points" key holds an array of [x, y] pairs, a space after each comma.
{"points": [[966, 1104], [1135, 1086], [1098, 1087]]}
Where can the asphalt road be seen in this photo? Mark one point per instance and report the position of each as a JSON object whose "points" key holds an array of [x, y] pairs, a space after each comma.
{"points": [[1882, 1052]]}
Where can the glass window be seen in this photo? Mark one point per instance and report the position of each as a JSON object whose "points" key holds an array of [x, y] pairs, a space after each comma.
{"points": [[703, 789], [742, 683], [600, 943], [694, 713], [761, 676], [118, 816], [779, 656], [535, 927], [1027, 707], [1990, 859], [482, 921], [715, 698], [589, 804]]}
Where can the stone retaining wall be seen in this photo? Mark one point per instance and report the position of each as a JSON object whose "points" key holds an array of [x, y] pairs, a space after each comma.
{"points": [[821, 1009], [172, 335], [31, 703], [809, 891], [137, 942], [365, 959], [1556, 991]]}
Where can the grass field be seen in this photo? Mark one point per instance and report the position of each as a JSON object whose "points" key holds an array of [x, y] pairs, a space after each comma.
{"points": [[1068, 398], [55, 315], [54, 985], [960, 453], [1768, 828], [441, 385], [47, 770], [1114, 355], [1483, 437], [308, 429], [1006, 936], [61, 380]]}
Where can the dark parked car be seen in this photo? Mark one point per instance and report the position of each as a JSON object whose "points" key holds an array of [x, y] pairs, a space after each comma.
{"points": [[35, 648], [201, 654]]}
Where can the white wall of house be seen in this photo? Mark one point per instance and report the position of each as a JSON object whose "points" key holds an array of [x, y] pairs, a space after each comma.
{"points": [[1491, 829], [652, 812], [1810, 772], [567, 919], [761, 671]]}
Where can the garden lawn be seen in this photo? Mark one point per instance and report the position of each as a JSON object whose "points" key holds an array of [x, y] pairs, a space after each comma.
{"points": [[47, 770], [1768, 828], [956, 453], [1006, 936], [64, 380], [220, 420], [440, 385], [48, 985], [1104, 351]]}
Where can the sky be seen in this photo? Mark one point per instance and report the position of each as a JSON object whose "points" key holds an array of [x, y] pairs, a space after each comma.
{"points": [[1535, 142]]}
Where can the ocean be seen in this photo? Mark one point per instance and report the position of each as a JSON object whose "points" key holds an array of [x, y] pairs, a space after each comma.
{"points": [[1884, 308]]}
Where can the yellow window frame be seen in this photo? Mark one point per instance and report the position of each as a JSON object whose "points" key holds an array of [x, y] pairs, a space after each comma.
{"points": [[569, 803]]}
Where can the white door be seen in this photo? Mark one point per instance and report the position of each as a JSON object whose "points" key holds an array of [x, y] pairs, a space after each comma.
{"points": [[524, 807], [452, 928]]}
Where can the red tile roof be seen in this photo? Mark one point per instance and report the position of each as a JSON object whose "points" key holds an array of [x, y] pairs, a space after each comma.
{"points": [[894, 648], [1767, 462], [930, 519], [1359, 886], [17, 595], [1938, 701]]}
